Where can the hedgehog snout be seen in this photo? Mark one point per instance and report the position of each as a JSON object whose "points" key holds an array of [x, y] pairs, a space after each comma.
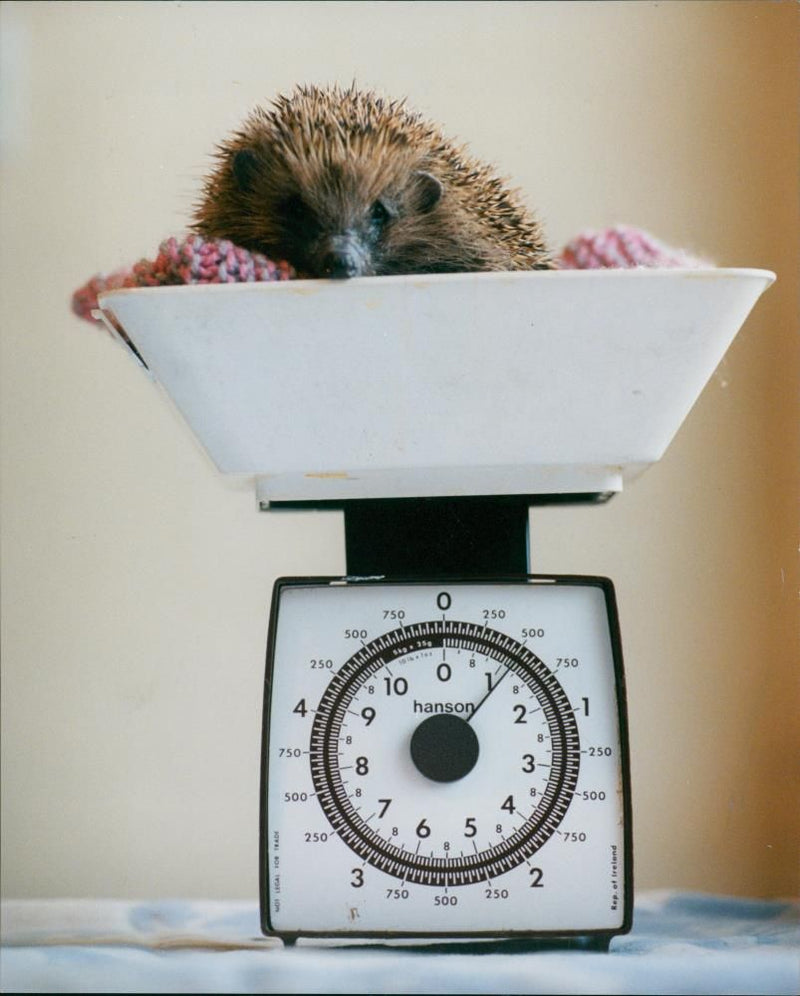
{"points": [[343, 256]]}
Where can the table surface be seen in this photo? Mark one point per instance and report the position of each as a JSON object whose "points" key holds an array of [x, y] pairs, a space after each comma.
{"points": [[680, 943]]}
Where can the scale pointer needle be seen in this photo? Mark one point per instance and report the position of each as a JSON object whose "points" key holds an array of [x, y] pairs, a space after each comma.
{"points": [[486, 696]]}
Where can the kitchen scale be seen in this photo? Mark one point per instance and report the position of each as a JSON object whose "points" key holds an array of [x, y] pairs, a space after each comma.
{"points": [[445, 750]]}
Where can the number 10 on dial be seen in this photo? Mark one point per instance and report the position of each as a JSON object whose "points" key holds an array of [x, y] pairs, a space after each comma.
{"points": [[445, 758]]}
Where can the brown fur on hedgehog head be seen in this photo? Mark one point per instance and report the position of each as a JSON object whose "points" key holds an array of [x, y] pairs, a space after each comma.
{"points": [[346, 183]]}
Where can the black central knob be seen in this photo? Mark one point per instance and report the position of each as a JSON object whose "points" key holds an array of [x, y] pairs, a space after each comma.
{"points": [[444, 748]]}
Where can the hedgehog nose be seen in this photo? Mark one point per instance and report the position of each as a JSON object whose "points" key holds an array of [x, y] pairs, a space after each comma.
{"points": [[340, 264]]}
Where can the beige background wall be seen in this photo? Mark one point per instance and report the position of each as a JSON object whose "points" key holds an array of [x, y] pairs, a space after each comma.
{"points": [[136, 581]]}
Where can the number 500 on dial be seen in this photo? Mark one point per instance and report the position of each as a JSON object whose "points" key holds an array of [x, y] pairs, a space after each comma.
{"points": [[445, 758]]}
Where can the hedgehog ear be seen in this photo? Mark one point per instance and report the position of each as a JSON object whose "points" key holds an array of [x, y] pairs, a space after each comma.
{"points": [[244, 168], [427, 191]]}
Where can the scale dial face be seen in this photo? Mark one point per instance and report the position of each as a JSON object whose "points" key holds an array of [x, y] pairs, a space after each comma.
{"points": [[444, 758]]}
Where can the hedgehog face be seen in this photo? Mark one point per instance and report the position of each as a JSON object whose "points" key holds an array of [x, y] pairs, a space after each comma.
{"points": [[335, 219], [335, 237]]}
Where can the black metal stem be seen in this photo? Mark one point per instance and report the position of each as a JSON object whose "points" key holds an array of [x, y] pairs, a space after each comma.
{"points": [[408, 537]]}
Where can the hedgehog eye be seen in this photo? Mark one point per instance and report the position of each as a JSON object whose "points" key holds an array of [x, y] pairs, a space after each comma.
{"points": [[379, 214], [295, 209]]}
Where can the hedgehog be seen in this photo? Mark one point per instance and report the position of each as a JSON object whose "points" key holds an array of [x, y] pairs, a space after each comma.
{"points": [[346, 183]]}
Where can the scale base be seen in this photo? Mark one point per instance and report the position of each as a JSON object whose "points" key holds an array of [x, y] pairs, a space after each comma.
{"points": [[484, 945]]}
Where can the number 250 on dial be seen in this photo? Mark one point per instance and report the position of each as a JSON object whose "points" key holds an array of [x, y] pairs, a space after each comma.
{"points": [[445, 758]]}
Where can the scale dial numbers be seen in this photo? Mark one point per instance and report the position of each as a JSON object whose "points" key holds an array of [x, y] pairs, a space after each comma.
{"points": [[444, 758], [436, 791]]}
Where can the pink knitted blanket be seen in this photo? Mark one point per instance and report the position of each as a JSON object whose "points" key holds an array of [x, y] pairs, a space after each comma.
{"points": [[191, 261], [622, 247], [196, 261]]}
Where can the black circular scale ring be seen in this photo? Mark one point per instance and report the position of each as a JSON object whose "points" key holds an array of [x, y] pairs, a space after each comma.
{"points": [[429, 870]]}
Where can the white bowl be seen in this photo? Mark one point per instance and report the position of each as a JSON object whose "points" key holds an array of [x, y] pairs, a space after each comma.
{"points": [[461, 384]]}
